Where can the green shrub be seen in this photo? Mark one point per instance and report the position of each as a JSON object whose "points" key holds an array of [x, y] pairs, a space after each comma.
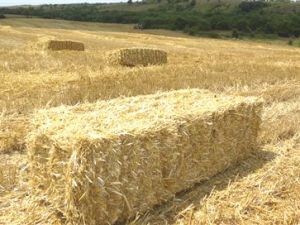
{"points": [[209, 34], [250, 6], [191, 30], [235, 34]]}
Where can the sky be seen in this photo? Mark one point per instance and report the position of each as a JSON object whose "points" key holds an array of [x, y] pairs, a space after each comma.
{"points": [[39, 2]]}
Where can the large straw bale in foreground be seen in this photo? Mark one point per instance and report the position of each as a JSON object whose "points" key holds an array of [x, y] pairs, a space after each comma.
{"points": [[104, 162], [56, 45], [137, 57]]}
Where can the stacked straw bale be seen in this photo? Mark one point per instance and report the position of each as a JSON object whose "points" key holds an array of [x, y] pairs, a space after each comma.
{"points": [[137, 57], [56, 45], [101, 163]]}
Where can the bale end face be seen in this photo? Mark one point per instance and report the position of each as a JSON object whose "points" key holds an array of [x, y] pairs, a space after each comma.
{"points": [[108, 161], [55, 45], [137, 57]]}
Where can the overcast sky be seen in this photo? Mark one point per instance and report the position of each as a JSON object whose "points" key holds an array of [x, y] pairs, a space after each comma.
{"points": [[38, 2]]}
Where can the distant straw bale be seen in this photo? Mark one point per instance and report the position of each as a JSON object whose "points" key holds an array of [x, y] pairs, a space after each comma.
{"points": [[137, 57], [104, 162], [56, 45]]}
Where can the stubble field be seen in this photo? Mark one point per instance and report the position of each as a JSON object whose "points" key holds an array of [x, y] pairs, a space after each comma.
{"points": [[264, 189]]}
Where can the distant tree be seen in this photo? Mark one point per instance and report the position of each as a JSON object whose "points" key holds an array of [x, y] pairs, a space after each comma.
{"points": [[2, 16], [247, 17], [193, 3], [235, 34], [250, 6], [180, 23]]}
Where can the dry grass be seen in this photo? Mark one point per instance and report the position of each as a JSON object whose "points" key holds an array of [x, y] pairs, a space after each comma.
{"points": [[262, 190], [12, 169]]}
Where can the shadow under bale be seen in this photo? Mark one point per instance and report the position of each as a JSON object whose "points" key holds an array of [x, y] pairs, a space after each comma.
{"points": [[193, 198]]}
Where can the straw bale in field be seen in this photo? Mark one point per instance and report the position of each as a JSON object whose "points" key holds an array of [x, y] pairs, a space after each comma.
{"points": [[103, 162], [56, 45], [137, 57]]}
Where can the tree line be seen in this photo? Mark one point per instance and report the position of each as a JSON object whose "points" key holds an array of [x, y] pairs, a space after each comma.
{"points": [[246, 18]]}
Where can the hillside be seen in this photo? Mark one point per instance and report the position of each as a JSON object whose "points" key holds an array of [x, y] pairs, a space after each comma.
{"points": [[263, 189], [216, 19]]}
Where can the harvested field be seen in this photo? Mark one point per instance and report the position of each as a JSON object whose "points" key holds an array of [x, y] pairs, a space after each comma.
{"points": [[127, 155], [65, 45], [263, 189], [137, 57], [13, 130], [32, 92], [12, 170]]}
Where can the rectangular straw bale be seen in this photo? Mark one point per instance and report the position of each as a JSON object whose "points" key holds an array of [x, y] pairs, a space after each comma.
{"points": [[103, 162], [65, 45], [137, 57]]}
